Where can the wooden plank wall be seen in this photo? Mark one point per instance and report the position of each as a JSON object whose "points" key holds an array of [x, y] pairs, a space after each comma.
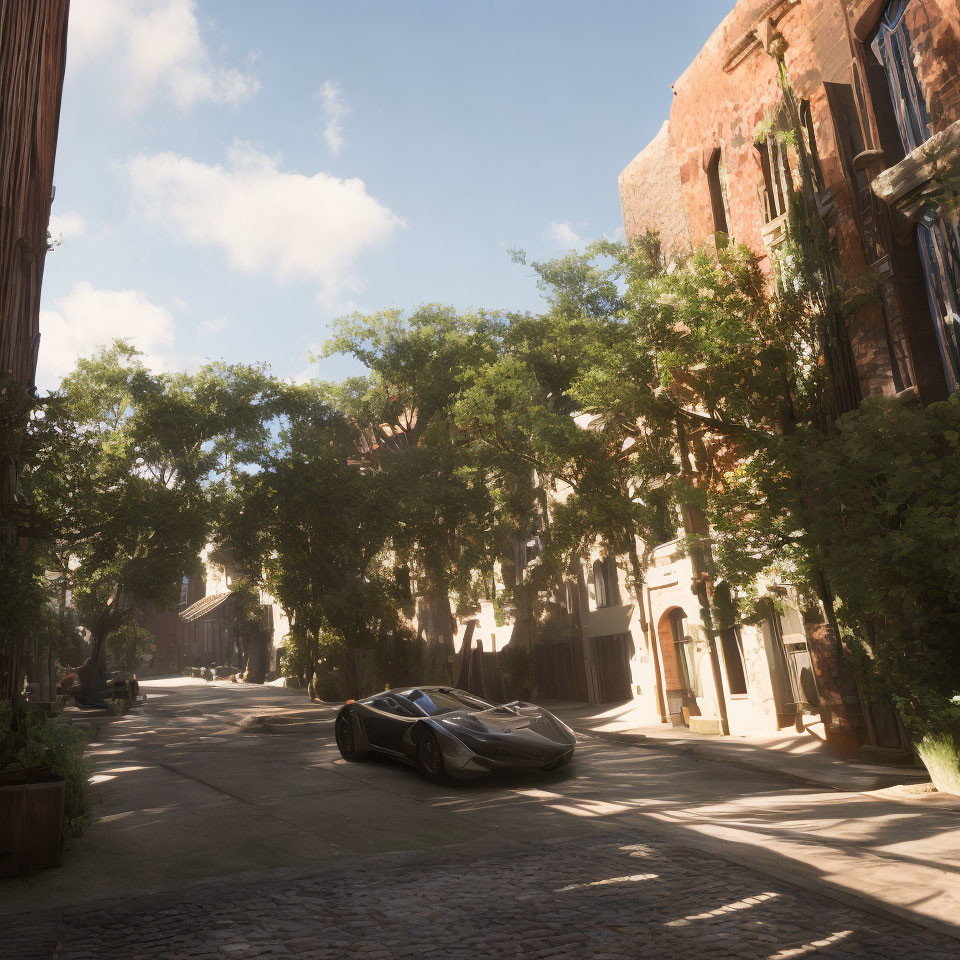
{"points": [[33, 48]]}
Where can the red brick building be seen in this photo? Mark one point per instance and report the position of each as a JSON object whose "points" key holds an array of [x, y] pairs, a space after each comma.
{"points": [[878, 90], [33, 50], [878, 81]]}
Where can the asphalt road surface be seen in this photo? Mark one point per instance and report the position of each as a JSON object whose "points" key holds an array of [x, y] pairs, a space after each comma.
{"points": [[212, 840]]}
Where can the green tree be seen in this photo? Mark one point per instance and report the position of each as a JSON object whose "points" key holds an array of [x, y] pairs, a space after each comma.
{"points": [[128, 645], [320, 527], [877, 513], [440, 488], [125, 461], [254, 637]]}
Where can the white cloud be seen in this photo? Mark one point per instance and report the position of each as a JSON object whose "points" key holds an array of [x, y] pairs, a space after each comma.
{"points": [[69, 225], [264, 219], [335, 108], [563, 235], [153, 48], [88, 318], [212, 326]]}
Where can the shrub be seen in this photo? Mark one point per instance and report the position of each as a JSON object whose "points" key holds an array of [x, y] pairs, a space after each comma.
{"points": [[43, 741], [518, 665], [128, 645], [887, 493]]}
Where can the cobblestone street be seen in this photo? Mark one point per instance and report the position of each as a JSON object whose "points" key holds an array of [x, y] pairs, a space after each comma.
{"points": [[624, 896], [214, 837]]}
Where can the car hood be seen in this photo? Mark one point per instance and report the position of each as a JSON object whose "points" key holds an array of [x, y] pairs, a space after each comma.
{"points": [[511, 718]]}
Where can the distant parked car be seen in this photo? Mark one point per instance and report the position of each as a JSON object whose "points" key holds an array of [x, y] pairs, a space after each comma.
{"points": [[123, 686], [118, 686], [446, 732]]}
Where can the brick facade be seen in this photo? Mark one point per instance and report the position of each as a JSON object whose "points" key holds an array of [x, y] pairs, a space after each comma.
{"points": [[732, 86], [723, 179]]}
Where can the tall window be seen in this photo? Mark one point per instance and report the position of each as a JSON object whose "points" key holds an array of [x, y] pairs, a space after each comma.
{"points": [[683, 647], [571, 597], [938, 237], [613, 580], [776, 176], [785, 636], [893, 47], [730, 641], [810, 142], [717, 179], [664, 527], [600, 583]]}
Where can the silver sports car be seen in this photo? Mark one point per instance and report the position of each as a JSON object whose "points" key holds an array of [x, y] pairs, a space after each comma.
{"points": [[446, 732]]}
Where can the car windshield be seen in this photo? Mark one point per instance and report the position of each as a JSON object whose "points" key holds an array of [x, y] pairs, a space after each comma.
{"points": [[434, 702]]}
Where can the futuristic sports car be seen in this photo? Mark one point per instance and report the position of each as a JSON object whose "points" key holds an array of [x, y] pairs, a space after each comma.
{"points": [[446, 732]]}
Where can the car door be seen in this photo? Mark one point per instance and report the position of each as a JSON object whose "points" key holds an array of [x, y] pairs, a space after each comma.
{"points": [[387, 722]]}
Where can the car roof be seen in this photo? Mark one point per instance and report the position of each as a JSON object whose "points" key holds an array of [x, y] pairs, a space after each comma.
{"points": [[426, 687]]}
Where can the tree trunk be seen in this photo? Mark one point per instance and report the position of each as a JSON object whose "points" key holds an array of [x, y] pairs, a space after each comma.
{"points": [[844, 721], [43, 670], [701, 559], [51, 673], [93, 673], [434, 615], [258, 658], [350, 670]]}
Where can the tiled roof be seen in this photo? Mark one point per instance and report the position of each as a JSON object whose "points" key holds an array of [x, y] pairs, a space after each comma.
{"points": [[205, 605]]}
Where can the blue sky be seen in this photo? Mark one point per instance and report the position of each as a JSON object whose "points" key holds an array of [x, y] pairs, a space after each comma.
{"points": [[232, 174]]}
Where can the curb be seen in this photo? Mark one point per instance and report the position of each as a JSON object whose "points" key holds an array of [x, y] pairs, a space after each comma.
{"points": [[691, 750]]}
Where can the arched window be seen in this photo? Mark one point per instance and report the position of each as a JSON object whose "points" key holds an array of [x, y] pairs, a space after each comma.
{"points": [[717, 179], [600, 583]]}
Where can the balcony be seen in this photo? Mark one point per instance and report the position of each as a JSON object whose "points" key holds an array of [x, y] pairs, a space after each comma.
{"points": [[925, 180]]}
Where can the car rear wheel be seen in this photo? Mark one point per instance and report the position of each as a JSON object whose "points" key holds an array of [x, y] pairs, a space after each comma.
{"points": [[430, 759], [346, 739]]}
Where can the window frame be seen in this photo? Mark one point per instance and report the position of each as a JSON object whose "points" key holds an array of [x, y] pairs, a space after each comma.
{"points": [[719, 196]]}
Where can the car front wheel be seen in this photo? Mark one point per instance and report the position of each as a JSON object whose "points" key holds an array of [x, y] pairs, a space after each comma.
{"points": [[346, 739], [430, 758]]}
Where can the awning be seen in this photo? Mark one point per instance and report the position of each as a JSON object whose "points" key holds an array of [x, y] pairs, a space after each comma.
{"points": [[204, 606]]}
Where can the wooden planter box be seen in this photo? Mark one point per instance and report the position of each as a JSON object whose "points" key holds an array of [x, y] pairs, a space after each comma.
{"points": [[31, 820]]}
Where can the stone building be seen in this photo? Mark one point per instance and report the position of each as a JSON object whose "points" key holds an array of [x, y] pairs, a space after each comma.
{"points": [[164, 624], [207, 628], [878, 90]]}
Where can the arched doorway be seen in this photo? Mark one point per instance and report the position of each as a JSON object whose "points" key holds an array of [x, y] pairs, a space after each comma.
{"points": [[680, 676]]}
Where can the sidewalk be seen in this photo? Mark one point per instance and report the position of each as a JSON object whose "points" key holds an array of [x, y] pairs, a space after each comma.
{"points": [[800, 756]]}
